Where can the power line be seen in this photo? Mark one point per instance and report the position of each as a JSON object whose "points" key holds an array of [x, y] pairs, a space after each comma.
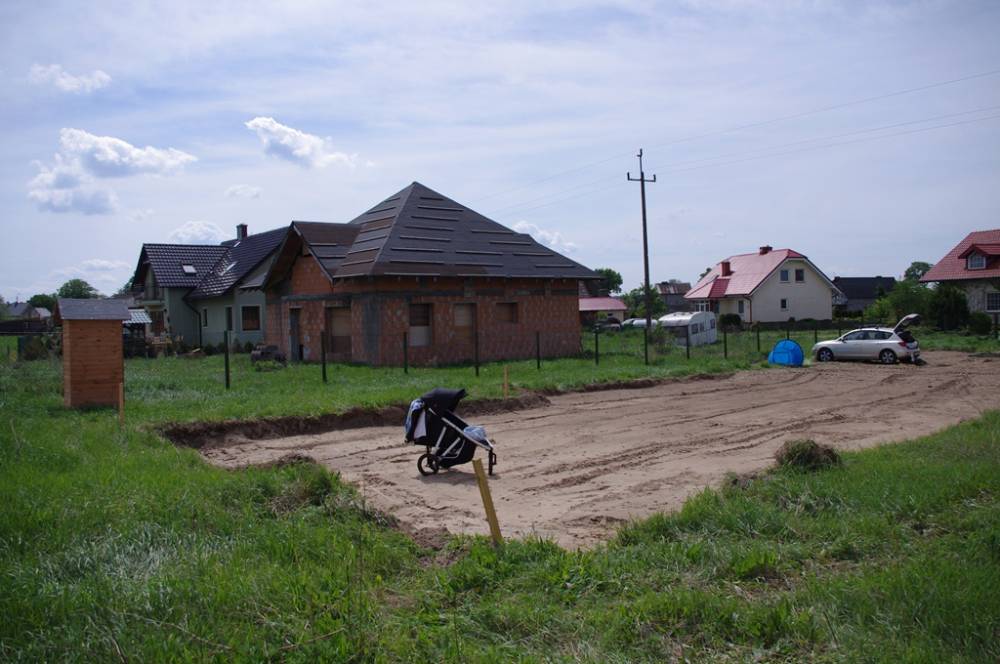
{"points": [[855, 102]]}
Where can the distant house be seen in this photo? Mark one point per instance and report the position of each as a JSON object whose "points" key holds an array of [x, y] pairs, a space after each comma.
{"points": [[197, 292], [861, 292], [422, 277], [591, 308], [974, 266], [769, 285], [672, 293], [24, 311]]}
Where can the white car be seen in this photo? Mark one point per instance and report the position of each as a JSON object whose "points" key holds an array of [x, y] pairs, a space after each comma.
{"points": [[883, 344]]}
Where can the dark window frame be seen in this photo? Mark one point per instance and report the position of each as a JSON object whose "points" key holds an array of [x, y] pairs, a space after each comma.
{"points": [[243, 318], [509, 312], [800, 275]]}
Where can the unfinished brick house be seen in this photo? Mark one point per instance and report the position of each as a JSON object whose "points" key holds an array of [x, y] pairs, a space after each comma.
{"points": [[419, 266]]}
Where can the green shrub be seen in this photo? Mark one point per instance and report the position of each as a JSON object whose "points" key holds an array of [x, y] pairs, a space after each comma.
{"points": [[806, 455], [730, 321], [948, 308], [980, 323]]}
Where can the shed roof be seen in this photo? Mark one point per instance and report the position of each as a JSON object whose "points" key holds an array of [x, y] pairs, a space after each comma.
{"points": [[953, 266], [601, 304], [68, 308]]}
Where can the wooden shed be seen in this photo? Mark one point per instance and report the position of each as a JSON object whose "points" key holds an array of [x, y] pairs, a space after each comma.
{"points": [[93, 364]]}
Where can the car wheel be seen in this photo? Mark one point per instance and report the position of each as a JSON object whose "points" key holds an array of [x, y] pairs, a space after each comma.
{"points": [[887, 357], [825, 355]]}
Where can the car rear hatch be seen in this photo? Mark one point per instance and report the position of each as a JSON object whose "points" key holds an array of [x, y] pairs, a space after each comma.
{"points": [[906, 321]]}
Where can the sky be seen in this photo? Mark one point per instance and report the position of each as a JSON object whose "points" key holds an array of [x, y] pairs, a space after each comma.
{"points": [[865, 135]]}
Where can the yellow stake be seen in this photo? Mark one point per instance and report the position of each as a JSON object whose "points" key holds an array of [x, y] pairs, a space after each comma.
{"points": [[484, 491]]}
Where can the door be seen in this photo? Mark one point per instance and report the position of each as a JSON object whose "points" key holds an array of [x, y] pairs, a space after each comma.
{"points": [[338, 332], [294, 340]]}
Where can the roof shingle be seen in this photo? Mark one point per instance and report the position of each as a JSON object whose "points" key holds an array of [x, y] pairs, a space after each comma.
{"points": [[953, 267]]}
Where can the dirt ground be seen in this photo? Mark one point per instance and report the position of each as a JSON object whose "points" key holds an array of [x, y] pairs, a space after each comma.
{"points": [[575, 469]]}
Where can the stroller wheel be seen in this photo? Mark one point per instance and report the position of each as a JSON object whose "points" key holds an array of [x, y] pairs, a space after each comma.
{"points": [[492, 461], [427, 464]]}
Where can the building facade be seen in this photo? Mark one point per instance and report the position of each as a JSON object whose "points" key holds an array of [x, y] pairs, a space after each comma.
{"points": [[974, 266]]}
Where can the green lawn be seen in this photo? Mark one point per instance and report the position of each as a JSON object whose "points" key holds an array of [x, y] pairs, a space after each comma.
{"points": [[117, 546]]}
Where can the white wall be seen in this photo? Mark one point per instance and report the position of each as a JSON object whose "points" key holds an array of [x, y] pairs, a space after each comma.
{"points": [[812, 298]]}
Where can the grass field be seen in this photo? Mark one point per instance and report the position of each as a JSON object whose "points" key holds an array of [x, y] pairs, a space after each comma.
{"points": [[117, 546]]}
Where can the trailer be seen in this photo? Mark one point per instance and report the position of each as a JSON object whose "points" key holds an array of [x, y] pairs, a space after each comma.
{"points": [[698, 327]]}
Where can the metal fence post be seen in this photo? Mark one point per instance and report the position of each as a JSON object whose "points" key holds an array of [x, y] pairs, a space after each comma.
{"points": [[322, 352], [816, 332], [788, 330], [538, 350], [687, 341], [725, 343], [476, 349], [758, 336], [225, 336], [406, 353], [597, 348]]}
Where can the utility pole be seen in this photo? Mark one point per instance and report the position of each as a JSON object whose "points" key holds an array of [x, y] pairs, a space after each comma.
{"points": [[647, 295]]}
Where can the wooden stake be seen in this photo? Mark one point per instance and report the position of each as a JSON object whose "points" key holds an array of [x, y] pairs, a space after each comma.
{"points": [[484, 491], [506, 382], [121, 404]]}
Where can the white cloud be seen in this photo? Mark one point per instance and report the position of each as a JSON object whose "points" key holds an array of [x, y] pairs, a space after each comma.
{"points": [[197, 232], [107, 156], [60, 78], [296, 146], [67, 185], [242, 191], [141, 214], [551, 239], [101, 265]]}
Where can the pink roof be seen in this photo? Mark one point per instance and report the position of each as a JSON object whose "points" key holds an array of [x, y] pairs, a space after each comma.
{"points": [[748, 272], [952, 266], [601, 304]]}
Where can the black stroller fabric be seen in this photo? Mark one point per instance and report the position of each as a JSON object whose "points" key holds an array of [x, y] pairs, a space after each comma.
{"points": [[441, 399]]}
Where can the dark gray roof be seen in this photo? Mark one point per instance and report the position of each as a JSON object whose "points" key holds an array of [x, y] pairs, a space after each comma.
{"points": [[19, 309], [864, 288], [420, 232], [166, 261], [240, 258], [91, 309]]}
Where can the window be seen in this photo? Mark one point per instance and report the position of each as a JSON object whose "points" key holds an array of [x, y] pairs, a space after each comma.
{"points": [[881, 335], [420, 325], [784, 276], [250, 318], [507, 312], [784, 304], [702, 305], [204, 317], [857, 335], [188, 268], [338, 330], [712, 323], [229, 319], [993, 302], [800, 276], [739, 307], [465, 320], [975, 262]]}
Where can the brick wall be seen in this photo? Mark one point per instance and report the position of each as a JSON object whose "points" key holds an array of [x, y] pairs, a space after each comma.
{"points": [[380, 316], [92, 362]]}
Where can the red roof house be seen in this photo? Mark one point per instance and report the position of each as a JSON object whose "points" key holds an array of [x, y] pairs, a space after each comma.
{"points": [[974, 266], [769, 285]]}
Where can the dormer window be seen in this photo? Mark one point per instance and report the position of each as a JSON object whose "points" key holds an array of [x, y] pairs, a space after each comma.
{"points": [[188, 268], [975, 262]]}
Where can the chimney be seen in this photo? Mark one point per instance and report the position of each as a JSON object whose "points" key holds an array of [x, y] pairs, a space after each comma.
{"points": [[766, 249], [241, 231], [727, 270]]}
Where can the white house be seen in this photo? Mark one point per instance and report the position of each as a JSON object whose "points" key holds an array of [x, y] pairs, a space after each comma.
{"points": [[769, 285]]}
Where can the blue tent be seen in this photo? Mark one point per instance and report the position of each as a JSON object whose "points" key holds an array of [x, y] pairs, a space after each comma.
{"points": [[786, 353]]}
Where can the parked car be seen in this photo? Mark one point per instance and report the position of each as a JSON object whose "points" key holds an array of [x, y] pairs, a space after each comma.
{"points": [[610, 324], [639, 322], [883, 344]]}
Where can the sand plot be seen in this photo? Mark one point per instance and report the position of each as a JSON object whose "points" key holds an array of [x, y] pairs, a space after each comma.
{"points": [[576, 468]]}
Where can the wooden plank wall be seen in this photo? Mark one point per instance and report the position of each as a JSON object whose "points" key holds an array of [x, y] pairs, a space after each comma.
{"points": [[92, 362]]}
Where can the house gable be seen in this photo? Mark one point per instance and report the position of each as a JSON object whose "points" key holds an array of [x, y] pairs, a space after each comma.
{"points": [[955, 266]]}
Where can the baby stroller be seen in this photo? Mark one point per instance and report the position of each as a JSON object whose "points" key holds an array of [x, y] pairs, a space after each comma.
{"points": [[432, 422]]}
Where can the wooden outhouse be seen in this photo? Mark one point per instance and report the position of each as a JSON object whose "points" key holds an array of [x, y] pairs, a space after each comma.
{"points": [[93, 364]]}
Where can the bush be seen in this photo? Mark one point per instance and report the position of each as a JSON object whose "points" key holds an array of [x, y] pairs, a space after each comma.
{"points": [[806, 455], [730, 321], [948, 308], [248, 347], [980, 323]]}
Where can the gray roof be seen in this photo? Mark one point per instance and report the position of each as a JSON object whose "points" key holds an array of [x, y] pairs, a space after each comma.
{"points": [[19, 309], [420, 232], [167, 261], [240, 258], [91, 309], [42, 312], [864, 288], [138, 316]]}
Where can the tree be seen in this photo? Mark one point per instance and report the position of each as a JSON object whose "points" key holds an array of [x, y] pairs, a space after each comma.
{"points": [[706, 271], [43, 300], [916, 270], [948, 307], [612, 279], [77, 288], [636, 303], [125, 290], [3, 308]]}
